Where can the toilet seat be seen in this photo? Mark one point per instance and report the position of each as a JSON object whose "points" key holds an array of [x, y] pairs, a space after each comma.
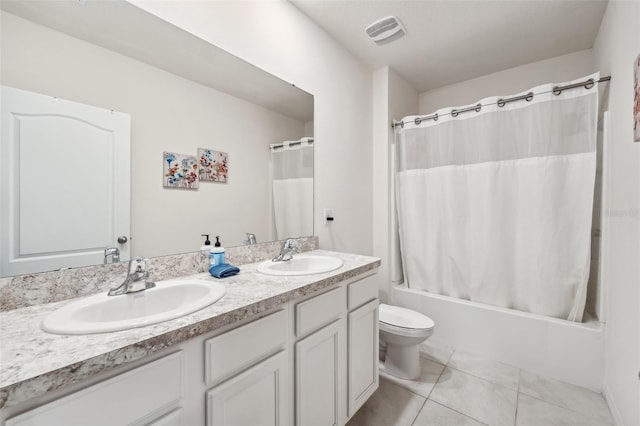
{"points": [[403, 320]]}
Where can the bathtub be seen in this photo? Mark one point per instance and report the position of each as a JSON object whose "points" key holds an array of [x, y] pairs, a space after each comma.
{"points": [[563, 350]]}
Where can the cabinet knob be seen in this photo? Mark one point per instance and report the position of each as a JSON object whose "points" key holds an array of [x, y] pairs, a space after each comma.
{"points": [[122, 239]]}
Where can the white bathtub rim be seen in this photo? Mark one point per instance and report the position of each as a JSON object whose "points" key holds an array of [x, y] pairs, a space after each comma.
{"points": [[592, 324]]}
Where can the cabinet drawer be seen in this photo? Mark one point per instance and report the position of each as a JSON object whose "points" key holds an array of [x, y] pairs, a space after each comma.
{"points": [[231, 352], [121, 400], [362, 291], [319, 311]]}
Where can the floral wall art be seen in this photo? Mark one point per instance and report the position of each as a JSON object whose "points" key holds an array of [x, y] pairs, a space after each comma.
{"points": [[180, 171], [214, 165]]}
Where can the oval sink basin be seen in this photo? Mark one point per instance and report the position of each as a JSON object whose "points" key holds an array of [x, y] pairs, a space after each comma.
{"points": [[300, 265], [101, 313]]}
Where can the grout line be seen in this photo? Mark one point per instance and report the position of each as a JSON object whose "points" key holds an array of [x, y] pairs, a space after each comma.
{"points": [[456, 411], [565, 408], [436, 382], [419, 411], [486, 380], [393, 380]]}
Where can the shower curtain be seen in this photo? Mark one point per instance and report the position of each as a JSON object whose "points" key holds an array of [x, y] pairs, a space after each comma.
{"points": [[292, 188], [495, 205]]}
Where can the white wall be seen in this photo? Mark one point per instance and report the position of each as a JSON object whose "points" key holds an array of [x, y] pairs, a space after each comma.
{"points": [[513, 80], [280, 39], [393, 98], [168, 113], [381, 178], [615, 49]]}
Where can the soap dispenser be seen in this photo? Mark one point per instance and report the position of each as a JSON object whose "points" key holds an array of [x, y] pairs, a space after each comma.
{"points": [[207, 244], [217, 253]]}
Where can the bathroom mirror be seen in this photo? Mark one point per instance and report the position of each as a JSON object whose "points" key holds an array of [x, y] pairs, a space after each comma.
{"points": [[181, 94]]}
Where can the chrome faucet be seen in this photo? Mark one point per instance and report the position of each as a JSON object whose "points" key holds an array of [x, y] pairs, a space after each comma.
{"points": [[287, 250], [251, 238], [111, 255], [136, 278]]}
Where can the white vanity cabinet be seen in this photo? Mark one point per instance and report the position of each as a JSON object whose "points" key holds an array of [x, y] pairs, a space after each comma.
{"points": [[310, 361], [336, 352], [320, 359], [257, 396], [249, 368], [362, 326]]}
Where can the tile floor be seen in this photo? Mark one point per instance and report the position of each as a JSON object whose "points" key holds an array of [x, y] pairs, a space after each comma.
{"points": [[458, 388]]}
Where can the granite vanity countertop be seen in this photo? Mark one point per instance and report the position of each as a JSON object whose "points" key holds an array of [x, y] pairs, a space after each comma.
{"points": [[33, 362]]}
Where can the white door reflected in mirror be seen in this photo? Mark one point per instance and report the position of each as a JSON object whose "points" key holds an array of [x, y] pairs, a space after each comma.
{"points": [[65, 183]]}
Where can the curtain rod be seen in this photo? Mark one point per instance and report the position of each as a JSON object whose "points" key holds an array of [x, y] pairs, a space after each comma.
{"points": [[294, 143], [587, 84]]}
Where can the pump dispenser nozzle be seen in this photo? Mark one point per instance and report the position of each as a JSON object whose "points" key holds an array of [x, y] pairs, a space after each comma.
{"points": [[217, 244]]}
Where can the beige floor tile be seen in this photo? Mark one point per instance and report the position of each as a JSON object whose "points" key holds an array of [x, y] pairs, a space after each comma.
{"points": [[477, 398], [429, 373], [434, 414], [390, 405], [565, 395], [436, 351], [535, 412], [494, 371]]}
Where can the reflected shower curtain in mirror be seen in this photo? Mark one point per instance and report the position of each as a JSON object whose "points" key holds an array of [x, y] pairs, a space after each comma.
{"points": [[495, 206], [292, 187]]}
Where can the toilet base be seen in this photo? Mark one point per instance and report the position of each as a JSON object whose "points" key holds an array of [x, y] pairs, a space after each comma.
{"points": [[402, 361]]}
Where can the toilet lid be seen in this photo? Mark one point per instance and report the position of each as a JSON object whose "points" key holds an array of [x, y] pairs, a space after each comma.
{"points": [[402, 317]]}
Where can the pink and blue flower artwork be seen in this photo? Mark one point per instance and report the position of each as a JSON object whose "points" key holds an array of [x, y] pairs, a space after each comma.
{"points": [[214, 165], [180, 171]]}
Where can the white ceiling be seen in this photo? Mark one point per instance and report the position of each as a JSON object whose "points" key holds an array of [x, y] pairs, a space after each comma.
{"points": [[449, 41]]}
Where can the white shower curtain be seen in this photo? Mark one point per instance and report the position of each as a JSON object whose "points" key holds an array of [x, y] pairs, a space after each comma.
{"points": [[292, 187], [495, 206]]}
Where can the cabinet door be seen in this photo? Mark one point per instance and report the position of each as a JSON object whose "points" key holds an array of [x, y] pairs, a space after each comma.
{"points": [[320, 376], [257, 396], [363, 355]]}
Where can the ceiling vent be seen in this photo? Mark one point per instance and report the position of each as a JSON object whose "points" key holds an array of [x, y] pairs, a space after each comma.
{"points": [[385, 30]]}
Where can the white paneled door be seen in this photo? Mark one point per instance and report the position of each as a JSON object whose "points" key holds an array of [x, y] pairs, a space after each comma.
{"points": [[65, 181]]}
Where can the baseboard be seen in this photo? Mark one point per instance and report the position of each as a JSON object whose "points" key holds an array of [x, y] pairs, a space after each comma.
{"points": [[608, 397]]}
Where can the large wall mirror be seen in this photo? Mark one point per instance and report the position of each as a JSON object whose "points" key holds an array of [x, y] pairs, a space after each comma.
{"points": [[178, 93]]}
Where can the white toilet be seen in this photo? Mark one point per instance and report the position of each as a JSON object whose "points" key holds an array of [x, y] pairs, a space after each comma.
{"points": [[403, 330]]}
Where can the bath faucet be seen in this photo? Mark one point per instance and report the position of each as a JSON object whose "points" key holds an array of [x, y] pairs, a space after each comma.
{"points": [[136, 278], [111, 255], [287, 250], [251, 238]]}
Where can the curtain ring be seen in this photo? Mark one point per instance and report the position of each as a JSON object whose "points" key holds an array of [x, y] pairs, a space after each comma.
{"points": [[529, 97], [417, 121], [454, 113], [435, 117], [501, 102], [589, 84], [478, 107], [556, 90]]}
